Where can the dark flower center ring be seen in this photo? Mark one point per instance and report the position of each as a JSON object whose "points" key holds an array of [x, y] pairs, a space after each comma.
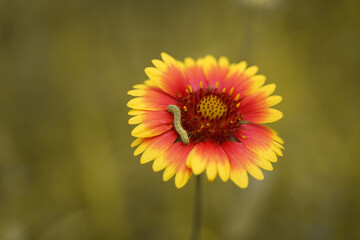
{"points": [[210, 115]]}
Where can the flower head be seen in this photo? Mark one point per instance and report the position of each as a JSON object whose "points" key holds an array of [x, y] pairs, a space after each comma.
{"points": [[205, 115]]}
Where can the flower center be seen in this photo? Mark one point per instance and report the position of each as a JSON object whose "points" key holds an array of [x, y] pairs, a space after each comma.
{"points": [[212, 107], [210, 115]]}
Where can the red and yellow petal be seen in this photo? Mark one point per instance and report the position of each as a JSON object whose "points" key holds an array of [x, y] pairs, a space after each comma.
{"points": [[163, 117], [267, 115], [215, 71], [174, 162], [195, 75], [182, 177], [240, 177], [223, 164], [241, 160], [155, 146], [209, 156], [241, 78], [256, 107], [150, 129], [262, 141], [244, 80], [198, 157], [152, 98], [136, 142], [169, 75]]}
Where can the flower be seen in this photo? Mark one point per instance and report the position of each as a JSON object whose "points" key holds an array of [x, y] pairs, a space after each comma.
{"points": [[221, 105]]}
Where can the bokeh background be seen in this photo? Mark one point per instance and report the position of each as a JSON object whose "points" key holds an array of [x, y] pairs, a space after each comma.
{"points": [[66, 167]]}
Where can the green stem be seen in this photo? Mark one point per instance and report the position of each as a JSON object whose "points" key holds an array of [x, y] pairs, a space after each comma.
{"points": [[197, 210]]}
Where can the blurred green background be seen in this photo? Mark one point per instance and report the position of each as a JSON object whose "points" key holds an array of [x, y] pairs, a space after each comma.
{"points": [[66, 168]]}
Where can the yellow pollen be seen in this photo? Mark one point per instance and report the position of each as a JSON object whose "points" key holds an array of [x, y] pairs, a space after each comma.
{"points": [[212, 107], [231, 91], [217, 85], [224, 90], [185, 108], [237, 97], [201, 84], [242, 136], [201, 127], [237, 105], [190, 88]]}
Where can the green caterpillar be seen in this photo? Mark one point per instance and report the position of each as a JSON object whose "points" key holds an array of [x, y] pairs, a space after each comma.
{"points": [[177, 123]]}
